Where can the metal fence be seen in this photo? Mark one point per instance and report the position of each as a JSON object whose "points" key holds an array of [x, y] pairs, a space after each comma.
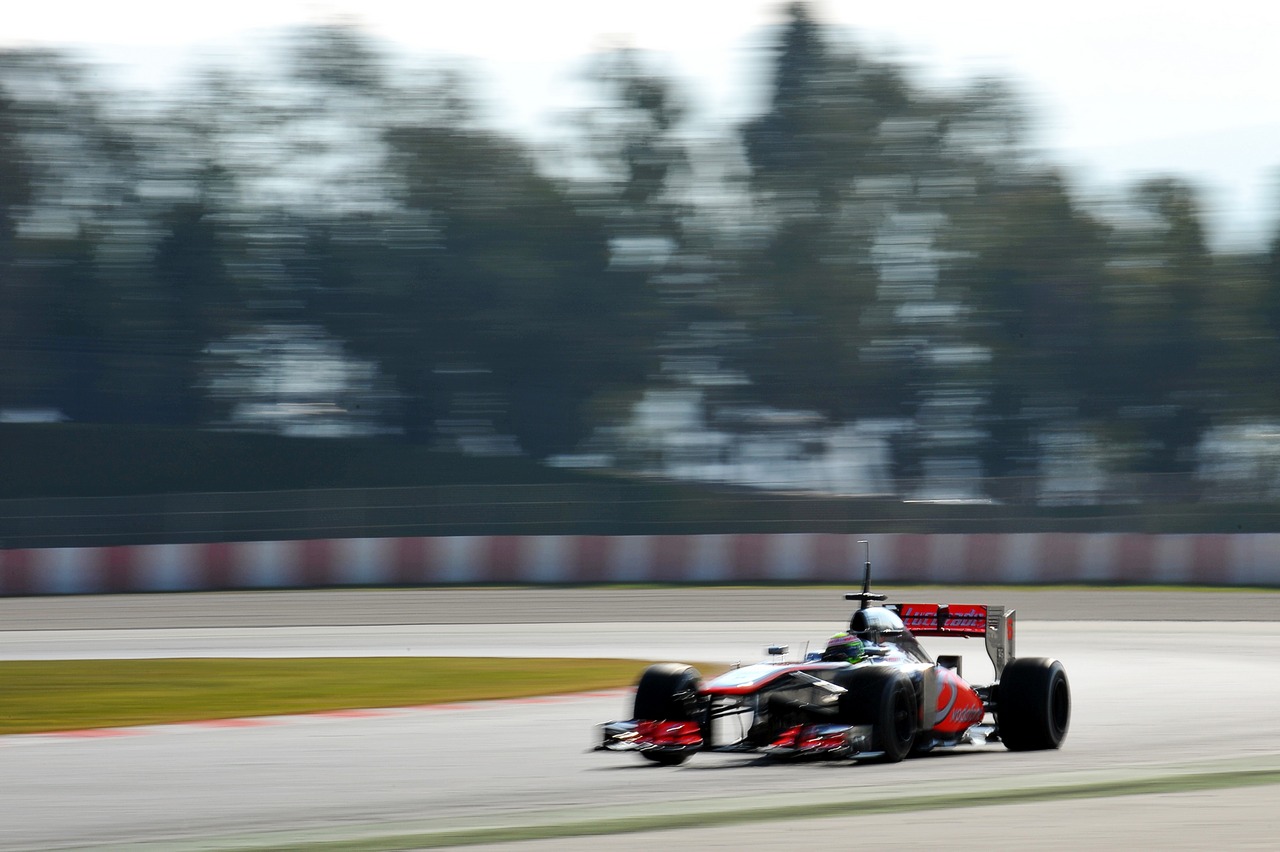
{"points": [[619, 507]]}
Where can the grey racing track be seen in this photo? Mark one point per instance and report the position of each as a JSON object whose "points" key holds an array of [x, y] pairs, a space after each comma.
{"points": [[1175, 741]]}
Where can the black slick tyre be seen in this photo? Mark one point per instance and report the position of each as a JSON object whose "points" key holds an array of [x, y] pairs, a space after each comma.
{"points": [[665, 693], [1033, 704], [885, 699]]}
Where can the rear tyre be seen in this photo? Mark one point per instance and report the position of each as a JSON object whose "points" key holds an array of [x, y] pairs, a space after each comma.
{"points": [[666, 693], [885, 699], [1033, 704]]}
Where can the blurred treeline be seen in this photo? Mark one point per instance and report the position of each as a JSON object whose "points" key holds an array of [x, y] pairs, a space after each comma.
{"points": [[341, 240]]}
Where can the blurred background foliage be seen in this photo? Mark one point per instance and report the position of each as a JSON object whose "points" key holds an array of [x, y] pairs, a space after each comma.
{"points": [[871, 287]]}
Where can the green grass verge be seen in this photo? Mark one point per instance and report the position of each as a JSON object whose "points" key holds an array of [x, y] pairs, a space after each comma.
{"points": [[59, 695]]}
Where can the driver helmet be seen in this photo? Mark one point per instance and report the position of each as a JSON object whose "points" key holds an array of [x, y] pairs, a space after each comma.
{"points": [[845, 647]]}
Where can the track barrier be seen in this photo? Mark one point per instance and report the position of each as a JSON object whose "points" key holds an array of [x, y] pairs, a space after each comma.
{"points": [[908, 558]]}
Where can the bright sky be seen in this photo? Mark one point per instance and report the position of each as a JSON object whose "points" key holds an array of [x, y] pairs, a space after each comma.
{"points": [[1121, 88]]}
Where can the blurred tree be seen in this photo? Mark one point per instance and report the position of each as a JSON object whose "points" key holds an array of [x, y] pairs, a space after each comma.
{"points": [[475, 283], [1158, 289], [1031, 266], [513, 289], [637, 159], [887, 251], [82, 332], [69, 168], [785, 145], [639, 178], [335, 56], [15, 171], [198, 300], [290, 220], [857, 172], [15, 287], [1269, 274], [1242, 342], [813, 275]]}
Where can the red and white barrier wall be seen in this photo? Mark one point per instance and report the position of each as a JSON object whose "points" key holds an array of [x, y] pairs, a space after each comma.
{"points": [[1032, 558]]}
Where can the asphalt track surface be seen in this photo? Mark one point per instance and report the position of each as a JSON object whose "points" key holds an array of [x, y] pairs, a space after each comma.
{"points": [[1174, 742]]}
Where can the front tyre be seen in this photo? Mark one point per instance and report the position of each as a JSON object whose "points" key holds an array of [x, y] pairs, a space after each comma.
{"points": [[665, 758], [1033, 704], [885, 699], [667, 692]]}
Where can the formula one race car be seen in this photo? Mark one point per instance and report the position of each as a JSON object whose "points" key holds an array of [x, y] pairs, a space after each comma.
{"points": [[890, 701]]}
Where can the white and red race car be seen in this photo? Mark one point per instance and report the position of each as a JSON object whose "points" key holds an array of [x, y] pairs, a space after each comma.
{"points": [[895, 702]]}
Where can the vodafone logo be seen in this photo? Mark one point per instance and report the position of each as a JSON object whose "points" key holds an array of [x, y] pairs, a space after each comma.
{"points": [[967, 715]]}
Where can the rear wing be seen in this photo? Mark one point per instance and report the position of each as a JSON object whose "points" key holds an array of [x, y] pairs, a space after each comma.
{"points": [[994, 623]]}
